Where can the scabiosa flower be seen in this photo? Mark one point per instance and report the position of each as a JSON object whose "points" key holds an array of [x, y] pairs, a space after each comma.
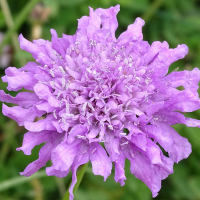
{"points": [[102, 99]]}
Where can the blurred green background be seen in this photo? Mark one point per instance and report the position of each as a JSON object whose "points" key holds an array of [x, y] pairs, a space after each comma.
{"points": [[175, 21]]}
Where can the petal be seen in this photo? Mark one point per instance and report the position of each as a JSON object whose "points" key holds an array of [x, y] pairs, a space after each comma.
{"points": [[180, 148], [133, 33], [112, 145], [101, 164], [159, 135], [57, 43], [192, 122], [21, 115], [188, 79], [109, 19], [31, 139], [154, 107], [143, 170], [51, 171], [184, 101], [43, 105], [119, 169], [17, 80], [44, 155], [42, 91], [165, 58], [30, 47], [77, 130], [42, 124], [23, 99], [63, 155], [79, 160]]}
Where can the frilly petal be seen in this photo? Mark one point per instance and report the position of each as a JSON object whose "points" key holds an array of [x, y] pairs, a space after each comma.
{"points": [[21, 115], [44, 155], [14, 79], [23, 99], [119, 169], [63, 155], [43, 124], [31, 139], [101, 164], [133, 33], [79, 160]]}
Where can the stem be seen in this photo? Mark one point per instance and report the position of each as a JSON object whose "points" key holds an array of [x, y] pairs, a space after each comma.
{"points": [[18, 22], [19, 180], [79, 179]]}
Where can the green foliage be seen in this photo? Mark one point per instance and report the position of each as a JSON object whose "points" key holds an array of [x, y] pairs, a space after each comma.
{"points": [[177, 22]]}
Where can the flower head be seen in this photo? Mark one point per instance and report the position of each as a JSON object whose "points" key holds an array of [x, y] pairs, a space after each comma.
{"points": [[103, 100]]}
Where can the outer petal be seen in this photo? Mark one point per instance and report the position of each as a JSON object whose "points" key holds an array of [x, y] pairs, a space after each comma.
{"points": [[133, 33], [43, 124], [159, 135], [109, 19], [143, 170], [112, 145], [31, 139], [17, 80], [23, 99], [51, 171], [63, 155], [119, 169], [180, 148], [21, 115], [184, 101], [188, 79], [192, 122], [101, 164], [79, 160], [30, 47], [165, 58], [44, 155]]}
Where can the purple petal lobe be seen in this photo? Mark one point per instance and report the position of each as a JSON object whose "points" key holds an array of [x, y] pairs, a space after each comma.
{"points": [[21, 115], [23, 99], [101, 164], [31, 139], [63, 155]]}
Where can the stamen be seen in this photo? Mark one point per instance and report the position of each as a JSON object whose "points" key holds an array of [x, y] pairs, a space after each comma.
{"points": [[124, 134], [93, 150], [113, 116], [110, 127], [67, 107], [81, 137], [54, 114], [62, 70], [63, 82], [84, 106], [90, 105], [61, 103], [69, 115], [120, 68], [107, 35], [124, 143], [51, 72], [58, 95]]}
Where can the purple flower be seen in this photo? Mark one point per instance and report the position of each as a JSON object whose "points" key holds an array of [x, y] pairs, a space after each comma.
{"points": [[102, 99]]}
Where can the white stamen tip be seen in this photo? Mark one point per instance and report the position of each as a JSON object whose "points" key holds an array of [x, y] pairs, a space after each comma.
{"points": [[93, 150], [51, 72]]}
